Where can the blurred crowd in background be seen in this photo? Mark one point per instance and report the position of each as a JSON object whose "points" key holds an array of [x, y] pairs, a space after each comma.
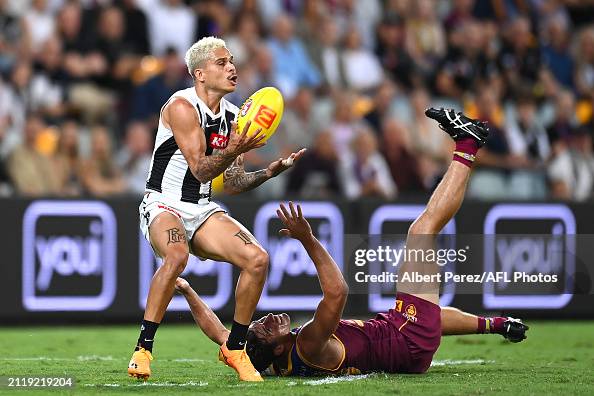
{"points": [[82, 83]]}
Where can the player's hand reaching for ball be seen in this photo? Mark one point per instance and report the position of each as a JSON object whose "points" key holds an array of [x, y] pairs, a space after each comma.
{"points": [[282, 164], [296, 225], [240, 143]]}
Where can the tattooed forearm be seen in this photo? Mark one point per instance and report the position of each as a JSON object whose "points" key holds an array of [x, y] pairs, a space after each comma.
{"points": [[237, 180], [212, 166], [175, 235]]}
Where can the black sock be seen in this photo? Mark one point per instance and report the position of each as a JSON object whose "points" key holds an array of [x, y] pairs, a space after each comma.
{"points": [[237, 337], [147, 335]]}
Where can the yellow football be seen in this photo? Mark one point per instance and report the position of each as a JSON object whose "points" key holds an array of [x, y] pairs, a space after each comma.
{"points": [[265, 109]]}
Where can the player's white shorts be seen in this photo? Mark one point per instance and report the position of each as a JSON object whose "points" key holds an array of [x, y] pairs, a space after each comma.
{"points": [[191, 215]]}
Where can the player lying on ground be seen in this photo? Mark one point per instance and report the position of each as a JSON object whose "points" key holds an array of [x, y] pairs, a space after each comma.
{"points": [[404, 339], [195, 142]]}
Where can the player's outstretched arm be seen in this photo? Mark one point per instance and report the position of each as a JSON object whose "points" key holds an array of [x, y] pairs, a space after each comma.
{"points": [[237, 180], [183, 121], [204, 317], [313, 337]]}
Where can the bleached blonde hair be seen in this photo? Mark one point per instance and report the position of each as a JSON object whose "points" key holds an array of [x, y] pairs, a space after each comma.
{"points": [[201, 51]]}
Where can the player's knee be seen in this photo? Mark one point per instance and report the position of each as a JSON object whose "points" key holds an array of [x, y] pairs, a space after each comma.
{"points": [[257, 262], [175, 262]]}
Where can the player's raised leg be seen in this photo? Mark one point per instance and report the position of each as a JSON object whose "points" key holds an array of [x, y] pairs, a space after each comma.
{"points": [[445, 201], [168, 239], [417, 313], [235, 244]]}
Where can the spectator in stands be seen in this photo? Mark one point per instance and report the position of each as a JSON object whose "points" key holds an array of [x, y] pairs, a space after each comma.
{"points": [[121, 56], [213, 18], [101, 177], [382, 104], [362, 69], [364, 171], [48, 84], [67, 159], [86, 67], [171, 24], [75, 43], [292, 65], [271, 11], [153, 93], [571, 172], [244, 41], [460, 13], [468, 62], [136, 26], [555, 53], [328, 55], [13, 38], [564, 123], [520, 56], [526, 134], [428, 143], [18, 93], [343, 127], [425, 36], [393, 54], [40, 23], [299, 124], [32, 173], [134, 158], [584, 76], [504, 174], [402, 163], [314, 14], [315, 175]]}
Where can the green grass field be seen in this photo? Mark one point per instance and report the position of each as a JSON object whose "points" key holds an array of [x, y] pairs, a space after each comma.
{"points": [[557, 358]]}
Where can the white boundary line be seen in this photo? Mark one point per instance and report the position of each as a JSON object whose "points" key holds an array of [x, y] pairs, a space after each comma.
{"points": [[85, 358], [335, 380], [451, 362], [150, 384]]}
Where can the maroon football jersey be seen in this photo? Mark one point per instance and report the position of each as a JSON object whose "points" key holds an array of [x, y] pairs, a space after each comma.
{"points": [[402, 340]]}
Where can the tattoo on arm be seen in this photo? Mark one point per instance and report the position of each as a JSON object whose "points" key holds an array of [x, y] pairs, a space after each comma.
{"points": [[245, 237], [212, 166], [175, 236], [237, 180]]}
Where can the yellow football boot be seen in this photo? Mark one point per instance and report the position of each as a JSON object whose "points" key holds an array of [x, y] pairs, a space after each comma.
{"points": [[140, 364], [239, 361]]}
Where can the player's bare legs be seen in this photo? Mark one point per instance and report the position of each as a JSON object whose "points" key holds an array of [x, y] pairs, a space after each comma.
{"points": [[168, 238], [443, 204], [445, 201], [457, 322], [223, 238]]}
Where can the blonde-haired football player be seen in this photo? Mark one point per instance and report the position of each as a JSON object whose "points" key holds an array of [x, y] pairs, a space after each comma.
{"points": [[196, 141]]}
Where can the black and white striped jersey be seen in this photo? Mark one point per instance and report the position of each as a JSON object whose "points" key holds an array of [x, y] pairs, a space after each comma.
{"points": [[169, 172]]}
